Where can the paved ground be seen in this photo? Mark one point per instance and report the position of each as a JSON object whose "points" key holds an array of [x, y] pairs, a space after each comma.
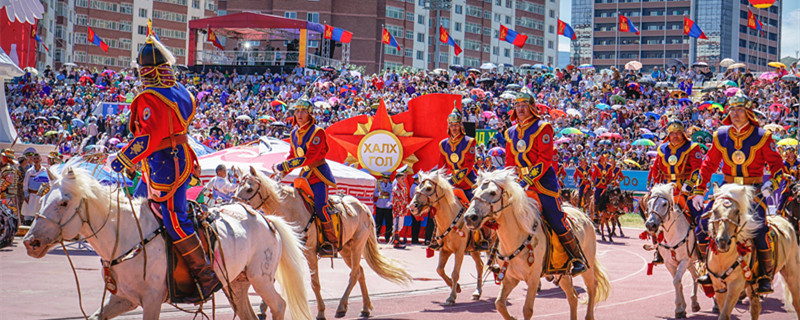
{"points": [[25, 283]]}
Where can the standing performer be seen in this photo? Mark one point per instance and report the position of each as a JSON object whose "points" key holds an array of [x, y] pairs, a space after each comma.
{"points": [[615, 175], [746, 150], [9, 181], [401, 196], [308, 150], [678, 162], [31, 189], [458, 156], [561, 173], [529, 148], [160, 116]]}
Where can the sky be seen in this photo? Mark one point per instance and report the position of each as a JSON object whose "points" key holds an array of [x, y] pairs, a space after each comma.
{"points": [[790, 44]]}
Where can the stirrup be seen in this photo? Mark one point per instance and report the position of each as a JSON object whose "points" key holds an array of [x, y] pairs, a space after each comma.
{"points": [[435, 245], [764, 285], [326, 250], [658, 259]]}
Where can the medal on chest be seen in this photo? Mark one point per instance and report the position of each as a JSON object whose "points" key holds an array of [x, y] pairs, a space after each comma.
{"points": [[672, 160], [300, 152], [521, 145], [738, 157], [453, 157]]}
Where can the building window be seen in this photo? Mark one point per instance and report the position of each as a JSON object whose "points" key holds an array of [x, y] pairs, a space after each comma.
{"points": [[312, 17], [395, 13], [421, 19], [497, 17], [410, 16], [508, 3], [142, 30], [409, 34], [290, 14], [506, 52], [420, 55], [457, 26], [498, 2], [550, 29], [143, 12], [409, 53], [459, 9], [456, 60], [495, 50], [508, 19], [126, 8], [445, 23], [196, 4], [420, 37], [550, 44], [552, 13]]}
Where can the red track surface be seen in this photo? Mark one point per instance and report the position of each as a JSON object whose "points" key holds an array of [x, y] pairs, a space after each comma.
{"points": [[26, 283]]}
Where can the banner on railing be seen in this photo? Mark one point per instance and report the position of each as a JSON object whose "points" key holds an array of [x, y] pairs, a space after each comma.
{"points": [[484, 136], [637, 180]]}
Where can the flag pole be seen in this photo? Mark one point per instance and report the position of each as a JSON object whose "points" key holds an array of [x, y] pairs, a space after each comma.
{"points": [[381, 48]]}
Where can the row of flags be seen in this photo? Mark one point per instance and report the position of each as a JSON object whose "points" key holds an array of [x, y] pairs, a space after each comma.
{"points": [[506, 34]]}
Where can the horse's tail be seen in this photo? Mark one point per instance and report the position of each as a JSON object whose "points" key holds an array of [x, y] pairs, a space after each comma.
{"points": [[385, 267], [603, 289], [291, 269]]}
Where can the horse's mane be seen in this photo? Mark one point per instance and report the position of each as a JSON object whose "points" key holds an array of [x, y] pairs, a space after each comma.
{"points": [[79, 181], [276, 192], [664, 190], [525, 214], [441, 180], [742, 197]]}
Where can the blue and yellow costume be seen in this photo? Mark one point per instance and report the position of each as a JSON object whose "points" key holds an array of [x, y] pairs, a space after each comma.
{"points": [[582, 177], [160, 116], [792, 167], [529, 148], [601, 171], [745, 153], [309, 146], [457, 155]]}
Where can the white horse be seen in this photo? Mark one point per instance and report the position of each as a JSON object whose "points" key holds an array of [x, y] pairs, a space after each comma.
{"points": [[499, 197], [731, 224], [678, 246], [257, 250], [434, 191], [358, 235]]}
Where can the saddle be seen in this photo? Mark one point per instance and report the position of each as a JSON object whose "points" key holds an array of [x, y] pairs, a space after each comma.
{"points": [[181, 285], [557, 261], [304, 189], [753, 262]]}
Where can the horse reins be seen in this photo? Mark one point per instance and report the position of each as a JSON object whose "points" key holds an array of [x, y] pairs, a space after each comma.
{"points": [[256, 192]]}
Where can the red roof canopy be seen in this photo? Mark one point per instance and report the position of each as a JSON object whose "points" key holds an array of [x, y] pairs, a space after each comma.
{"points": [[247, 20]]}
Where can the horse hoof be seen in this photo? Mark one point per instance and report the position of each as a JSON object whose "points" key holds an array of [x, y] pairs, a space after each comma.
{"points": [[450, 302], [680, 315], [364, 314], [476, 296], [340, 314], [715, 309], [458, 288], [320, 318], [262, 316], [695, 308]]}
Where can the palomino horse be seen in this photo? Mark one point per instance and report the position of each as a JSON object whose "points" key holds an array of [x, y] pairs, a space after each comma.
{"points": [[358, 234], [731, 227], [434, 191], [678, 246], [500, 198], [254, 247]]}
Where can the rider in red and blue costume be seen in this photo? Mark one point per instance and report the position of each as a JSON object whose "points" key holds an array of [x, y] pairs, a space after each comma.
{"points": [[745, 150], [601, 171], [582, 177], [529, 148], [792, 169], [160, 116], [678, 163], [561, 173], [309, 146]]}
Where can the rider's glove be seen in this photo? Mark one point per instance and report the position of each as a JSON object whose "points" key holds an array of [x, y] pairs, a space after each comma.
{"points": [[686, 188], [766, 189], [697, 202]]}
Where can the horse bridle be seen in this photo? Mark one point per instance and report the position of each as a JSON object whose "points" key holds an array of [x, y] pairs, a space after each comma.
{"points": [[663, 218], [728, 220], [76, 213], [493, 213], [256, 192], [435, 194]]}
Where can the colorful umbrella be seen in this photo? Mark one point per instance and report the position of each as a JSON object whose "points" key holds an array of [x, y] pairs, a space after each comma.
{"points": [[726, 62], [788, 142], [711, 105], [776, 64], [631, 162], [777, 107], [611, 135], [653, 114], [768, 76], [266, 118], [652, 153], [555, 113], [737, 65], [489, 114], [633, 65], [617, 99], [585, 66], [602, 106], [277, 103], [574, 112], [644, 142], [562, 140], [731, 91], [570, 130]]}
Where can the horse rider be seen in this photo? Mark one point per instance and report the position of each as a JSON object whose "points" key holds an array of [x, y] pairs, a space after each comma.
{"points": [[457, 155], [309, 146], [615, 175], [678, 162], [600, 173], [9, 181], [529, 148], [160, 116], [792, 167], [582, 177], [561, 174], [746, 150]]}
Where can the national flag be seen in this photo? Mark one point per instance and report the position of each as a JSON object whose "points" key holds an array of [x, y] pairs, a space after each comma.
{"points": [[762, 4], [337, 34], [389, 39], [512, 36], [626, 25], [95, 39], [212, 37], [150, 29], [565, 29], [692, 29], [35, 36], [445, 37], [753, 22]]}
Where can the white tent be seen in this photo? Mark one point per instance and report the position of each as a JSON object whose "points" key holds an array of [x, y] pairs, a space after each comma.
{"points": [[8, 70], [270, 151]]}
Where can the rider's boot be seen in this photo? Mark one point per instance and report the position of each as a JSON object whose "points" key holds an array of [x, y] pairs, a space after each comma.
{"points": [[764, 281], [657, 259], [328, 248], [701, 251], [481, 240], [574, 251], [199, 267]]}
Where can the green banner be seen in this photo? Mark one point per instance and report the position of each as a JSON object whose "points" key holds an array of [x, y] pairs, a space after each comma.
{"points": [[484, 135]]}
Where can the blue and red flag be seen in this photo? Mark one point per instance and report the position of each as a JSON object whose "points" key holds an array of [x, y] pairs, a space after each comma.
{"points": [[212, 37], [565, 29], [35, 36], [445, 37], [692, 29], [389, 39], [95, 39], [337, 34], [753, 22], [626, 25], [512, 36]]}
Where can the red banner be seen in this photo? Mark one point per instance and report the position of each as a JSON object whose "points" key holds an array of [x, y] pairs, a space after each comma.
{"points": [[17, 37]]}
